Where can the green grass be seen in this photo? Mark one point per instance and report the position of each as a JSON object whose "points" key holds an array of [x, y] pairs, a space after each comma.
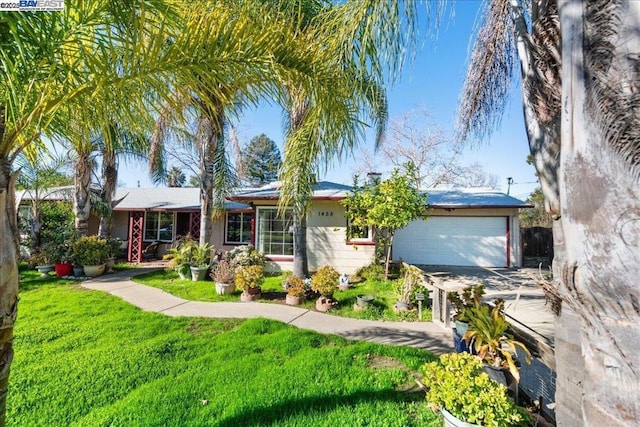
{"points": [[380, 309], [84, 358]]}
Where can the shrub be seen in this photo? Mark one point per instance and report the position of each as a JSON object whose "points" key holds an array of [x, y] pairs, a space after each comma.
{"points": [[180, 256], [246, 256], [373, 272], [249, 276], [224, 272], [412, 282], [90, 250], [294, 286], [325, 280], [456, 382]]}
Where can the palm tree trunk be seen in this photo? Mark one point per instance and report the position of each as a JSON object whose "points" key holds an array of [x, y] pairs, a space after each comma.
{"points": [[109, 183], [81, 195], [300, 259], [9, 276], [600, 182], [210, 134]]}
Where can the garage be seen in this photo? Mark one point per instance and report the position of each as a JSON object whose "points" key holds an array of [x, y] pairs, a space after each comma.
{"points": [[454, 240]]}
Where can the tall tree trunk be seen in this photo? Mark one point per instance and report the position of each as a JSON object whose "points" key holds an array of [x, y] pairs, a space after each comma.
{"points": [[109, 183], [601, 191], [81, 194], [8, 273], [300, 259], [210, 134]]}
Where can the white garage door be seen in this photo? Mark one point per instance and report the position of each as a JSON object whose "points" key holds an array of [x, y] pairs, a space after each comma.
{"points": [[471, 241]]}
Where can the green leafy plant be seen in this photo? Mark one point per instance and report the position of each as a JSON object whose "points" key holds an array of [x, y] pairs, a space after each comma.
{"points": [[488, 335], [224, 271], [373, 271], [90, 250], [294, 286], [325, 280], [457, 383], [114, 244], [45, 256], [464, 302], [201, 255], [251, 276], [245, 256], [179, 257]]}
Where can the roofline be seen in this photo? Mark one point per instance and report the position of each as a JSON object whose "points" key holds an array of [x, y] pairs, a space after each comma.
{"points": [[479, 206], [248, 198]]}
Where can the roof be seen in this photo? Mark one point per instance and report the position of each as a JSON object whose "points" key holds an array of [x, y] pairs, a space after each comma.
{"points": [[323, 190], [164, 198], [472, 198], [188, 198]]}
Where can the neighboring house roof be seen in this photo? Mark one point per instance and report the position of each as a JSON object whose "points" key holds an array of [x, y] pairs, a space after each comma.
{"points": [[472, 198], [164, 198], [323, 190]]}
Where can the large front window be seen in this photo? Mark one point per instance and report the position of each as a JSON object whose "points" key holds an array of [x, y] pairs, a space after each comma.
{"points": [[238, 229], [274, 235], [158, 226]]}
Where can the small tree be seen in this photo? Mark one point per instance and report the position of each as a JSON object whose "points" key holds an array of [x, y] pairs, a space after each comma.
{"points": [[538, 216], [261, 160], [386, 206]]}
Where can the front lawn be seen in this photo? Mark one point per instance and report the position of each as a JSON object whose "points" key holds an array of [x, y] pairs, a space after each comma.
{"points": [[85, 358], [380, 309]]}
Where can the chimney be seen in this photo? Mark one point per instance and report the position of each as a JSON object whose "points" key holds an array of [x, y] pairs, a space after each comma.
{"points": [[373, 178]]}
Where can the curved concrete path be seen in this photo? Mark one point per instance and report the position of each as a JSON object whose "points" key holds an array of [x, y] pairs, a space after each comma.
{"points": [[415, 334]]}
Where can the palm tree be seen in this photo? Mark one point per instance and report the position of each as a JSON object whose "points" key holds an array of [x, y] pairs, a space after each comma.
{"points": [[175, 177], [113, 56], [319, 131], [41, 174], [579, 73]]}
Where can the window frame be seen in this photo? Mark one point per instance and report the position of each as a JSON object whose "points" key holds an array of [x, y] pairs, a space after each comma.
{"points": [[260, 245], [369, 239], [245, 218], [157, 226]]}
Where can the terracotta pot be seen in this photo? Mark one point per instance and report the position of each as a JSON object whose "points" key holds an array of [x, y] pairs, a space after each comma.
{"points": [[293, 300], [63, 269], [93, 270], [325, 304], [251, 294]]}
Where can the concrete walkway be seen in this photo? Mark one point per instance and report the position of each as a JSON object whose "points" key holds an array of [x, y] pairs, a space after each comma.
{"points": [[415, 334]]}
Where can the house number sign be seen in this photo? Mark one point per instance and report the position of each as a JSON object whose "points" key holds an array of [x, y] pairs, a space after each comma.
{"points": [[325, 213]]}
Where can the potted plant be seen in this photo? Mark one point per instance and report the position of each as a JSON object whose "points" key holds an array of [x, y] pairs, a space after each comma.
{"points": [[245, 256], [466, 396], [325, 282], [489, 338], [179, 257], [249, 279], [295, 290], [223, 274], [463, 302], [114, 245], [200, 260], [42, 260], [91, 252], [62, 259]]}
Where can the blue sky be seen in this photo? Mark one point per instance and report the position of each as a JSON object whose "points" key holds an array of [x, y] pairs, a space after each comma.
{"points": [[433, 81]]}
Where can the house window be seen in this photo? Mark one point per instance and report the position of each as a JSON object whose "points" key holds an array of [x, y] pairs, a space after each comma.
{"points": [[274, 234], [158, 226], [238, 229], [355, 232]]}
